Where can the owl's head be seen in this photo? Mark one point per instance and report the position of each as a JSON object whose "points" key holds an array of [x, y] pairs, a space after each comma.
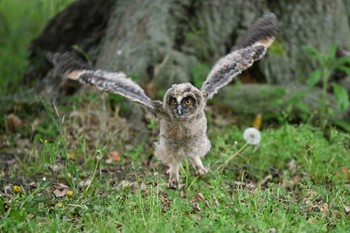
{"points": [[183, 101]]}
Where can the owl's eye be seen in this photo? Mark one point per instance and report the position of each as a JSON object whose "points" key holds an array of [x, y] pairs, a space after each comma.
{"points": [[173, 101], [187, 102]]}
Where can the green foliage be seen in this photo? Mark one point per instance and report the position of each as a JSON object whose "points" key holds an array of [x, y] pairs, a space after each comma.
{"points": [[313, 204], [327, 66], [120, 101], [235, 198], [277, 48], [341, 96], [20, 22], [200, 74], [152, 124]]}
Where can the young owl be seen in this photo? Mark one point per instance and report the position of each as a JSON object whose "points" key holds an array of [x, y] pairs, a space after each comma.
{"points": [[183, 124]]}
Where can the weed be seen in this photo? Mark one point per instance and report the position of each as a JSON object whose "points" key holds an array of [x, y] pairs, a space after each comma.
{"points": [[59, 179], [328, 65], [295, 181]]}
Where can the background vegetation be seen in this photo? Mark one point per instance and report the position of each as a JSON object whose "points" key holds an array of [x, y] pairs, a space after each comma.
{"points": [[21, 22], [74, 166]]}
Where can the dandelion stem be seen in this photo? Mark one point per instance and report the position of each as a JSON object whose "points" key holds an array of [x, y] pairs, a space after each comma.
{"points": [[235, 154], [232, 156]]}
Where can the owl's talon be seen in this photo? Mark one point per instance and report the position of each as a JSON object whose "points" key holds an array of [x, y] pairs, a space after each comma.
{"points": [[174, 184], [202, 171]]}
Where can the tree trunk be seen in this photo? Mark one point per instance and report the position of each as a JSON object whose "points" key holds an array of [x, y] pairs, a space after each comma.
{"points": [[160, 42]]}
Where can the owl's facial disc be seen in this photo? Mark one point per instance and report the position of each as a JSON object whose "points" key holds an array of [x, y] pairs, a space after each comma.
{"points": [[182, 107]]}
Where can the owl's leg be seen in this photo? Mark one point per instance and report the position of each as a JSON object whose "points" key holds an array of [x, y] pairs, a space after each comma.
{"points": [[173, 171], [198, 165]]}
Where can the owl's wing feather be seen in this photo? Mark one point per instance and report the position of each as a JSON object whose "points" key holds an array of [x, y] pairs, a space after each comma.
{"points": [[252, 48], [114, 82]]}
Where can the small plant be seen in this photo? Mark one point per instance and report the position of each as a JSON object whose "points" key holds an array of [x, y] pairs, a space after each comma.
{"points": [[252, 137], [327, 65]]}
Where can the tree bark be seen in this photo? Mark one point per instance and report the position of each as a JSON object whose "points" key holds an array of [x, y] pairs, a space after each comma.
{"points": [[160, 42]]}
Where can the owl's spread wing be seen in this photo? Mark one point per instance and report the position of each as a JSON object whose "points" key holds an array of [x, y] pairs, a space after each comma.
{"points": [[254, 46], [114, 82]]}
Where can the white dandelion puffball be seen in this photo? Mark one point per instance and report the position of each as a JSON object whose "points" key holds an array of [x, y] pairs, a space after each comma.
{"points": [[252, 136]]}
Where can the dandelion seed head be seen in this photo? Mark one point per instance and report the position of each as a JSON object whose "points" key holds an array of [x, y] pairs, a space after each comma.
{"points": [[252, 136]]}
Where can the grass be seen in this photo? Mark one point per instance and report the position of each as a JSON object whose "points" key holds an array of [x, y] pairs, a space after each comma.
{"points": [[20, 22], [296, 181], [57, 172]]}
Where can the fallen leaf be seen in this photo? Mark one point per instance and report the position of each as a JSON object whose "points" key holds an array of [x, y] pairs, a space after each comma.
{"points": [[197, 217], [257, 123], [75, 114], [201, 196], [292, 165], [312, 220], [183, 193], [5, 143], [323, 207], [196, 207], [13, 122], [59, 193], [266, 179], [60, 190], [85, 182], [35, 123], [216, 200], [347, 209], [8, 188], [30, 216], [290, 183], [62, 186], [250, 227], [56, 167], [114, 156], [143, 187], [125, 183]]}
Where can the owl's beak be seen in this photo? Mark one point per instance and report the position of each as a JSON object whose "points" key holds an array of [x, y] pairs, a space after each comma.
{"points": [[179, 110]]}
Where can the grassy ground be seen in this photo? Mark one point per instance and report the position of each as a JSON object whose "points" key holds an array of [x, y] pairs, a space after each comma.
{"points": [[62, 173], [75, 166]]}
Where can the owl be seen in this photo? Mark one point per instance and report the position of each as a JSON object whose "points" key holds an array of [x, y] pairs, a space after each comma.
{"points": [[181, 116]]}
